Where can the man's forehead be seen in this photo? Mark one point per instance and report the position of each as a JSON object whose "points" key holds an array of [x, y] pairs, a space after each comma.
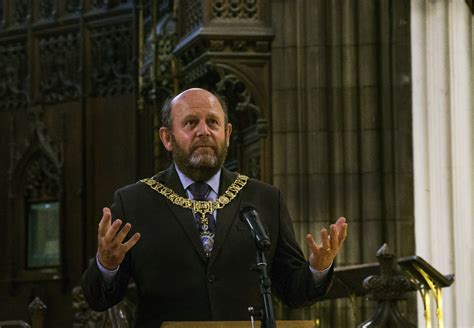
{"points": [[196, 99], [194, 103]]}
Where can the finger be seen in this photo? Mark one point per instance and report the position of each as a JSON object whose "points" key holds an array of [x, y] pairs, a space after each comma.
{"points": [[104, 223], [112, 231], [342, 233], [131, 242], [123, 233], [325, 239], [334, 239], [311, 243], [341, 221]]}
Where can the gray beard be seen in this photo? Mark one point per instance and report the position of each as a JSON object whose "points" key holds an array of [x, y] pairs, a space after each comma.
{"points": [[198, 167]]}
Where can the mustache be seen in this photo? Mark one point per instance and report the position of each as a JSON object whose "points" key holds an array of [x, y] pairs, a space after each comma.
{"points": [[207, 143]]}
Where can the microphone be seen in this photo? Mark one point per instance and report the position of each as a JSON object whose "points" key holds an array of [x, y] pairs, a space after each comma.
{"points": [[250, 216]]}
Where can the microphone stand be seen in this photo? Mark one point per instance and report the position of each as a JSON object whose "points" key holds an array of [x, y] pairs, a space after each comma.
{"points": [[268, 317]]}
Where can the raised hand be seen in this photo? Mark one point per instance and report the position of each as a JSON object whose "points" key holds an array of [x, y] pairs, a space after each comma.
{"points": [[111, 248], [322, 255]]}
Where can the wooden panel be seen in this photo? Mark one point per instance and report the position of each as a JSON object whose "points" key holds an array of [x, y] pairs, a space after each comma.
{"points": [[68, 91]]}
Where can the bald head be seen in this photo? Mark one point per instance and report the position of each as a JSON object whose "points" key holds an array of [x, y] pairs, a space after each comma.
{"points": [[195, 130], [194, 97]]}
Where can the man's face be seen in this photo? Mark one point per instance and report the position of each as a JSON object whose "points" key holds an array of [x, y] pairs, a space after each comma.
{"points": [[199, 136]]}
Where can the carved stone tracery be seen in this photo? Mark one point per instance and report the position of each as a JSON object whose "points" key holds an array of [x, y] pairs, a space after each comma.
{"points": [[59, 60]]}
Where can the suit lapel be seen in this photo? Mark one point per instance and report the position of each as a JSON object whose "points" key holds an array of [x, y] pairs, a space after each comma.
{"points": [[225, 216], [184, 216]]}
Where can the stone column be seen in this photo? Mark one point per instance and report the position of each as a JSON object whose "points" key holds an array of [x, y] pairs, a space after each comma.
{"points": [[443, 123]]}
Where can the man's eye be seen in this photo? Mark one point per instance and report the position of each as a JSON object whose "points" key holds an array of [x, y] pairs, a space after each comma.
{"points": [[190, 123], [212, 122]]}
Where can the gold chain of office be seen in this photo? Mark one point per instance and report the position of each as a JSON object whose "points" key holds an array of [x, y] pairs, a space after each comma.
{"points": [[199, 206]]}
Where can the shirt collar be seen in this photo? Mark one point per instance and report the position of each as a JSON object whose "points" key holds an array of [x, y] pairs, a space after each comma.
{"points": [[213, 182]]}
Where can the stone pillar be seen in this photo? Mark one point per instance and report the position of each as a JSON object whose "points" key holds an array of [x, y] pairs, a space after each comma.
{"points": [[443, 132]]}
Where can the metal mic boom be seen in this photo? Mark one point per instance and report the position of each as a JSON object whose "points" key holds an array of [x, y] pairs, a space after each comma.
{"points": [[250, 216]]}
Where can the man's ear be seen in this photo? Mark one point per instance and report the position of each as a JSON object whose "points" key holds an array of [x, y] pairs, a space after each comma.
{"points": [[165, 136], [228, 132]]}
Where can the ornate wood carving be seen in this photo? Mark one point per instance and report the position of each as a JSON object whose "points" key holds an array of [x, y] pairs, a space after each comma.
{"points": [[100, 3], [157, 66], [112, 67], [193, 10], [120, 315], [20, 12], [159, 63], [199, 69], [37, 310], [47, 9], [235, 9], [390, 285], [42, 179], [106, 4], [194, 68], [40, 63], [13, 84], [249, 124], [59, 60], [84, 316], [39, 165], [72, 6], [35, 174], [387, 288]]}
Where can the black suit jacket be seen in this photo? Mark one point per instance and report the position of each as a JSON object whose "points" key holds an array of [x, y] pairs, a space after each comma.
{"points": [[175, 281]]}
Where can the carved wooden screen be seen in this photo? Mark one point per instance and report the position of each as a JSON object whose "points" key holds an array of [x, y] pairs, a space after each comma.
{"points": [[36, 221], [67, 141]]}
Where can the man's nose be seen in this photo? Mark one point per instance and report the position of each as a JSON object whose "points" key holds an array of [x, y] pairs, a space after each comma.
{"points": [[203, 129]]}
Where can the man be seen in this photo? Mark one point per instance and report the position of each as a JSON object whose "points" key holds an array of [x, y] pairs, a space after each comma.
{"points": [[191, 257]]}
